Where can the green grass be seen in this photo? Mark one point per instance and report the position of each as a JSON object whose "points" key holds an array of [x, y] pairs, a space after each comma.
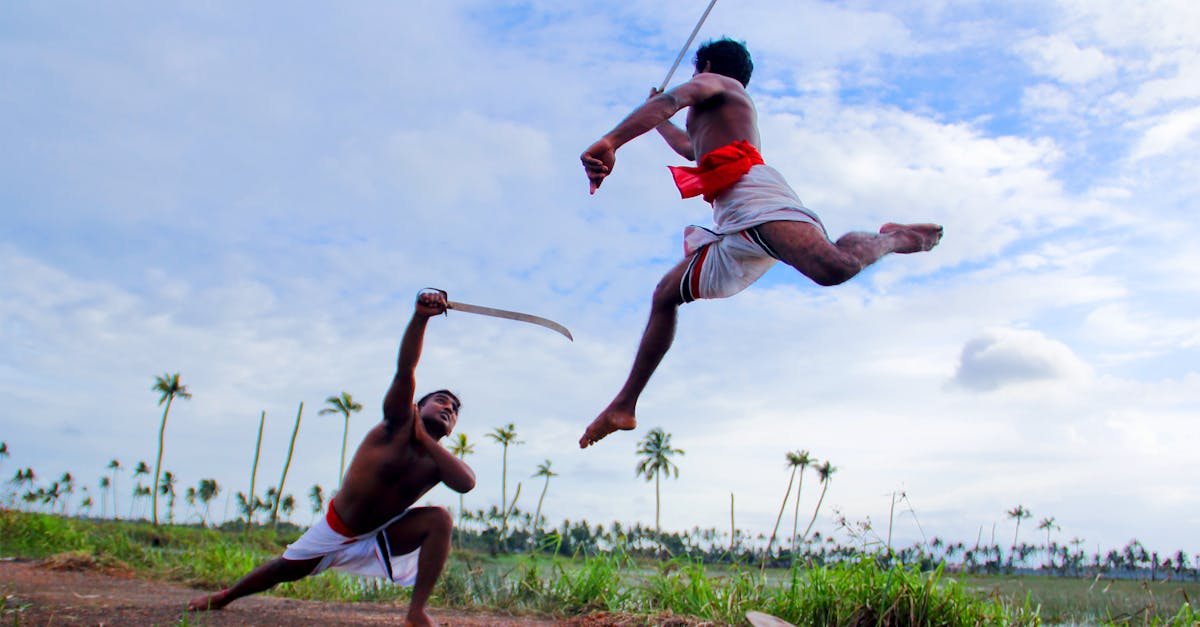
{"points": [[1121, 602], [860, 592]]}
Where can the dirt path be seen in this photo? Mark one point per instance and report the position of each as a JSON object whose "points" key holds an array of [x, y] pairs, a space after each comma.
{"points": [[33, 594]]}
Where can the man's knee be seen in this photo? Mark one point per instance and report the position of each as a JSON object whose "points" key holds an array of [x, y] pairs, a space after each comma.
{"points": [[666, 293], [437, 519]]}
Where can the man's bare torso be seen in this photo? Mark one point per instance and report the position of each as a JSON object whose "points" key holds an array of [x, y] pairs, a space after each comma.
{"points": [[388, 474], [723, 118]]}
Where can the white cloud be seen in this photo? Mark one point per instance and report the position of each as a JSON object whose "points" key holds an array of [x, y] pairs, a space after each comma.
{"points": [[1063, 60], [1003, 357]]}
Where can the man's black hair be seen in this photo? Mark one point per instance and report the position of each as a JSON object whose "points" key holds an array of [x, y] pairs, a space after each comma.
{"points": [[728, 57], [457, 401]]}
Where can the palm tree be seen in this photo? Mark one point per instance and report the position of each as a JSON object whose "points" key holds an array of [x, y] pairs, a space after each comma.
{"points": [[505, 436], [68, 488], [167, 489], [140, 470], [803, 460], [1018, 513], [206, 491], [3, 450], [824, 473], [793, 460], [287, 505], [345, 406], [114, 466], [316, 496], [286, 464], [460, 447], [656, 452], [168, 385], [543, 470], [104, 485], [1049, 525], [252, 501]]}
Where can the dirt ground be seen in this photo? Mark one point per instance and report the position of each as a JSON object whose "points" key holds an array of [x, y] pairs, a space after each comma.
{"points": [[37, 593]]}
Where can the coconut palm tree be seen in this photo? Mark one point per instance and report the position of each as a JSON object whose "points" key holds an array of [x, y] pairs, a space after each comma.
{"points": [[286, 464], [167, 489], [505, 436], [793, 460], [169, 387], [824, 473], [802, 459], [206, 491], [1048, 525], [345, 406], [104, 485], [316, 497], [115, 466], [3, 451], [67, 483], [656, 452], [460, 447], [140, 470], [252, 501], [543, 470], [1019, 512]]}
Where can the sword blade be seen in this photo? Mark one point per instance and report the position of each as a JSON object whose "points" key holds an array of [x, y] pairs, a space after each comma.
{"points": [[510, 315]]}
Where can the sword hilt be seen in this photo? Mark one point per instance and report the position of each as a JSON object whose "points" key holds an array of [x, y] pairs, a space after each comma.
{"points": [[444, 293]]}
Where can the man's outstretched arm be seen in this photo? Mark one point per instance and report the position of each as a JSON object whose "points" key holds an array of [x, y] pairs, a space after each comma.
{"points": [[398, 405], [599, 159]]}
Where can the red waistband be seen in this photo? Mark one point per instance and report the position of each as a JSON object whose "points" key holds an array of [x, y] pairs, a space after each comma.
{"points": [[717, 170], [335, 522]]}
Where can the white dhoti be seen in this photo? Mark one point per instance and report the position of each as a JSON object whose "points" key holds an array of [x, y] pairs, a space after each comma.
{"points": [[728, 258], [366, 554]]}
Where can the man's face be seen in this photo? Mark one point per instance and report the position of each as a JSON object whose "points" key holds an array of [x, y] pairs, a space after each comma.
{"points": [[440, 414]]}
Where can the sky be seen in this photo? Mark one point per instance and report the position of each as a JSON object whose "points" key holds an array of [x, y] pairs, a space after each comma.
{"points": [[252, 195]]}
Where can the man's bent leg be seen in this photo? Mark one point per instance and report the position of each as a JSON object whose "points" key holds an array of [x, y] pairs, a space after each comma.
{"points": [[656, 341], [265, 577], [806, 248], [427, 529]]}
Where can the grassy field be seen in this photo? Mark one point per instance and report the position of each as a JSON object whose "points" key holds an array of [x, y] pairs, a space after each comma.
{"points": [[856, 592]]}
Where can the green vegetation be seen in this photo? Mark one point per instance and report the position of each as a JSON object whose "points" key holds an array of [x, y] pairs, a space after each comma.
{"points": [[865, 590]]}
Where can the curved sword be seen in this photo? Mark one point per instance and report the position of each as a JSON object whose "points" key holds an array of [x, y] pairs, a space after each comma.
{"points": [[506, 314]]}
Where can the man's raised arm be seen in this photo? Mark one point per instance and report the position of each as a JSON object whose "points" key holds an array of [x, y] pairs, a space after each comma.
{"points": [[398, 404]]}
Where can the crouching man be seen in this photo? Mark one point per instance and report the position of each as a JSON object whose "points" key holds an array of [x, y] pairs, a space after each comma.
{"points": [[371, 527]]}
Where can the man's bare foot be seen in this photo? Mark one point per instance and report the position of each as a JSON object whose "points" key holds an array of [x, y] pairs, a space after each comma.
{"points": [[608, 421], [208, 602], [914, 238], [418, 618]]}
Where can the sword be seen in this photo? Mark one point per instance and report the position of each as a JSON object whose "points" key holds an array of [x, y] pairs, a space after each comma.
{"points": [[502, 313]]}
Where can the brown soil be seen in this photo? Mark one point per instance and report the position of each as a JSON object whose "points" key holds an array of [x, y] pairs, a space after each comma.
{"points": [[62, 592]]}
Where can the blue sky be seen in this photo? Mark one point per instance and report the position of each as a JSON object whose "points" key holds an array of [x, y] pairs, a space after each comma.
{"points": [[251, 196]]}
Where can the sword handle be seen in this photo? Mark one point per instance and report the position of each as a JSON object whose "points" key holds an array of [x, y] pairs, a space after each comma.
{"points": [[434, 290]]}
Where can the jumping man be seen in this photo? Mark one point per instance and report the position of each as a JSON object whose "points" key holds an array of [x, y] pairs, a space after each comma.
{"points": [[371, 527], [759, 219]]}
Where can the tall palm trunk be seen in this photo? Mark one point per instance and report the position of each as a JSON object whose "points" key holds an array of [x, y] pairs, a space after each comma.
{"points": [[116, 511], [657, 502], [286, 464], [538, 515], [796, 510], [158, 464], [816, 510], [342, 465], [250, 501], [778, 518]]}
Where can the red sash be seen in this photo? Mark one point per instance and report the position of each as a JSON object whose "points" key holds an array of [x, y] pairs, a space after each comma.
{"points": [[716, 171]]}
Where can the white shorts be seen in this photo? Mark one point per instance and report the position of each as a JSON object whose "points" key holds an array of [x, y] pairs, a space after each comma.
{"points": [[727, 259], [367, 554]]}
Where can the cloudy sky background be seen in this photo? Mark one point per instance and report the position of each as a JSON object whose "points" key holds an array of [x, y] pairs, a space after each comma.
{"points": [[252, 195]]}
